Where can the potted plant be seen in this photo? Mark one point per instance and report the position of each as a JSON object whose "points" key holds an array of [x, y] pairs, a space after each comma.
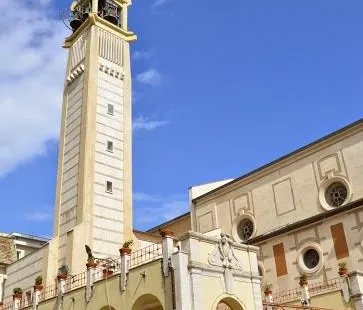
{"points": [[108, 265], [107, 272], [303, 280], [17, 293], [38, 283], [343, 270], [91, 262], [166, 232], [267, 289], [63, 273], [126, 247]]}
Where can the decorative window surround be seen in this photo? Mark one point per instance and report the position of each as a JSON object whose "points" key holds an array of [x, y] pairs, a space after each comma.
{"points": [[300, 257], [236, 223], [326, 184]]}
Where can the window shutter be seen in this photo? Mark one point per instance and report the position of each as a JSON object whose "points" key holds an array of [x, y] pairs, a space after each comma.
{"points": [[340, 243], [280, 260]]}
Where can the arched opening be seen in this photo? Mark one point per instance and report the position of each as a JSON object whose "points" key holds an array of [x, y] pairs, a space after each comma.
{"points": [[149, 302], [229, 304]]}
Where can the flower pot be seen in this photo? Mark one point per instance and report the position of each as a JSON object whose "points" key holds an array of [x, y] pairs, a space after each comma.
{"points": [[166, 233], [38, 287], [343, 271], [91, 265], [125, 251], [62, 277], [17, 296], [267, 292], [107, 273]]}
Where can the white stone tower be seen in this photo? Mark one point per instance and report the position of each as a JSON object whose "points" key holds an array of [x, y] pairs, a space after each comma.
{"points": [[94, 184]]}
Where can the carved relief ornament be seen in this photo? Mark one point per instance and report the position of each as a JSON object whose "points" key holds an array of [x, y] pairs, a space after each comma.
{"points": [[223, 255]]}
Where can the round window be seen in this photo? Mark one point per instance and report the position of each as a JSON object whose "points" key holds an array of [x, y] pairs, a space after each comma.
{"points": [[311, 258], [336, 194], [245, 229]]}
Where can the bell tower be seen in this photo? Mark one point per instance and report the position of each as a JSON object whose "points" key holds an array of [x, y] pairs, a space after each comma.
{"points": [[94, 181]]}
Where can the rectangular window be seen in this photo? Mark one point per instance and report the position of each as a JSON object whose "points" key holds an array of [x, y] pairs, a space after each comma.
{"points": [[109, 187], [280, 260], [20, 254], [340, 243], [110, 109], [110, 146]]}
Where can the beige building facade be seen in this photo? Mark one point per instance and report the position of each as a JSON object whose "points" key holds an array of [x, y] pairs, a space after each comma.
{"points": [[304, 211]]}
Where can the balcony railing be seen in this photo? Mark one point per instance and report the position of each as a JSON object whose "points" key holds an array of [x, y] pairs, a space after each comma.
{"points": [[106, 268], [314, 289], [146, 254]]}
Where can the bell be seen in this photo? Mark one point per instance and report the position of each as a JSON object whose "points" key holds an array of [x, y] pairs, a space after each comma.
{"points": [[111, 18], [75, 23], [110, 13]]}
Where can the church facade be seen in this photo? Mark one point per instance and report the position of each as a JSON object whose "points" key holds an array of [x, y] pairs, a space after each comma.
{"points": [[288, 234]]}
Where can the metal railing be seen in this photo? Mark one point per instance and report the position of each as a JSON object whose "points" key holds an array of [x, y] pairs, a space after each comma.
{"points": [[106, 268], [314, 289], [146, 254], [49, 291], [8, 306], [76, 281], [277, 306], [327, 286]]}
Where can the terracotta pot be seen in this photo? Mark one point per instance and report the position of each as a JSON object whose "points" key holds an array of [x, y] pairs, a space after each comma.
{"points": [[125, 251], [343, 271], [107, 273], [38, 287], [267, 292], [91, 265], [166, 233], [62, 277], [17, 296]]}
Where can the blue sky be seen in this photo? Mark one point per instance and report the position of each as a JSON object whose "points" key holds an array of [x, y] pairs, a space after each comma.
{"points": [[219, 89]]}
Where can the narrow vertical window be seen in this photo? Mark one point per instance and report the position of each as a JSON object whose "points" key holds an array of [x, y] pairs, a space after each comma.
{"points": [[110, 146], [110, 109], [280, 260], [109, 187], [340, 242]]}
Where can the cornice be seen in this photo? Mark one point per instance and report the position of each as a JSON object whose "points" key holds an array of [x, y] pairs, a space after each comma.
{"points": [[283, 161], [201, 237]]}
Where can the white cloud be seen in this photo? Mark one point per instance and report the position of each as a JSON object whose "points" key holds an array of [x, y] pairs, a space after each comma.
{"points": [[144, 123], [31, 81], [149, 77], [152, 212], [140, 55], [157, 3]]}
